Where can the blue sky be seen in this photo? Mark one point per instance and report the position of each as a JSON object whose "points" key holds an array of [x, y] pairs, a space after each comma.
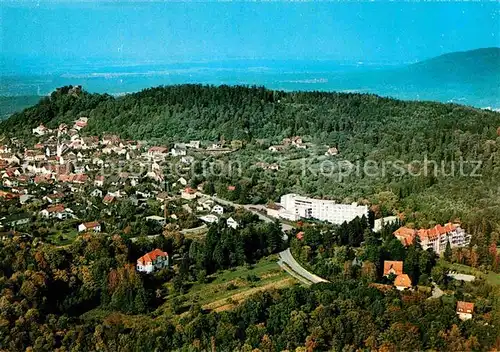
{"points": [[395, 32]]}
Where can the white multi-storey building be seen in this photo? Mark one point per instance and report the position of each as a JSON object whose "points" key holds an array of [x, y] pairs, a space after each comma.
{"points": [[325, 210]]}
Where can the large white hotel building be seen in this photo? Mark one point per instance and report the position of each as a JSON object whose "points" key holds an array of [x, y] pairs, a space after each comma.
{"points": [[295, 207]]}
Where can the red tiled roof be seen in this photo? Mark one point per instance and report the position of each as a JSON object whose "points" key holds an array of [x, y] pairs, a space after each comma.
{"points": [[91, 225], [402, 280], [158, 150], [42, 179], [56, 209], [7, 195], [396, 266], [300, 235], [81, 178], [436, 231], [407, 235], [73, 178], [465, 307], [231, 188], [189, 190], [151, 256], [108, 198]]}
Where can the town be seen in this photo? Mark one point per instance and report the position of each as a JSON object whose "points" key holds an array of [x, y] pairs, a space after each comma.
{"points": [[73, 185]]}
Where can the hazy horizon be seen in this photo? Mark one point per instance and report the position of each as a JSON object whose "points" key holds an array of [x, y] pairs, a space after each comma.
{"points": [[43, 33]]}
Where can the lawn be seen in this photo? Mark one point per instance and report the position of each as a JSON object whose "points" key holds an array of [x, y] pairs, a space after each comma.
{"points": [[62, 238], [491, 277], [228, 288]]}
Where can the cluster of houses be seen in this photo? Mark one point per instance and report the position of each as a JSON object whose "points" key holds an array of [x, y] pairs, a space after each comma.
{"points": [[288, 142], [436, 237], [267, 166], [64, 165], [401, 281]]}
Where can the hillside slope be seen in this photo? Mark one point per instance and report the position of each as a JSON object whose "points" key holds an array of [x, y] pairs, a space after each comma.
{"points": [[363, 127], [465, 65]]}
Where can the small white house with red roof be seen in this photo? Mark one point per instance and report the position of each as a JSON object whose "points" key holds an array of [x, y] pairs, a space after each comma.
{"points": [[99, 181], [465, 310], [157, 152], [41, 130], [154, 260], [188, 193], [92, 226]]}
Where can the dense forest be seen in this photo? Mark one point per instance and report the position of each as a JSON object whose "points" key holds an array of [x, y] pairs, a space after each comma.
{"points": [[87, 297], [356, 122]]}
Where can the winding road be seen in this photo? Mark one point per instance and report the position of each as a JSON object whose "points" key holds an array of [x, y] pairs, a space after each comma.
{"points": [[287, 262]]}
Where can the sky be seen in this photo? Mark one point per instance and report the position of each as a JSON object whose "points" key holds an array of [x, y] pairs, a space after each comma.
{"points": [[143, 31]]}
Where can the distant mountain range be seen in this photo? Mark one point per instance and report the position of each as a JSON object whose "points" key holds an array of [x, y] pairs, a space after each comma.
{"points": [[463, 65], [468, 78]]}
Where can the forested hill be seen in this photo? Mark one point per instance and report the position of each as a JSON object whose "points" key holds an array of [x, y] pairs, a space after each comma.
{"points": [[207, 113]]}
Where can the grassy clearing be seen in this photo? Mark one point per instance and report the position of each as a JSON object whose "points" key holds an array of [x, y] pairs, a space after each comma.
{"points": [[491, 277], [233, 300], [228, 288], [60, 238]]}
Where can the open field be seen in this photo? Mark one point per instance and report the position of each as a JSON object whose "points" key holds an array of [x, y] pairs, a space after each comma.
{"points": [[61, 238], [491, 277], [228, 288]]}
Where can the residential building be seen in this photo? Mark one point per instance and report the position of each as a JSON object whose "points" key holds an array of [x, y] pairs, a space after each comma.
{"points": [[154, 260], [194, 144], [393, 267], [331, 151], [232, 223], [53, 198], [465, 310], [158, 219], [325, 210], [57, 211], [41, 130], [402, 282], [435, 238], [178, 151], [188, 193], [25, 198], [157, 152], [276, 148], [187, 159], [93, 226], [96, 193], [218, 209], [210, 218], [108, 199]]}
